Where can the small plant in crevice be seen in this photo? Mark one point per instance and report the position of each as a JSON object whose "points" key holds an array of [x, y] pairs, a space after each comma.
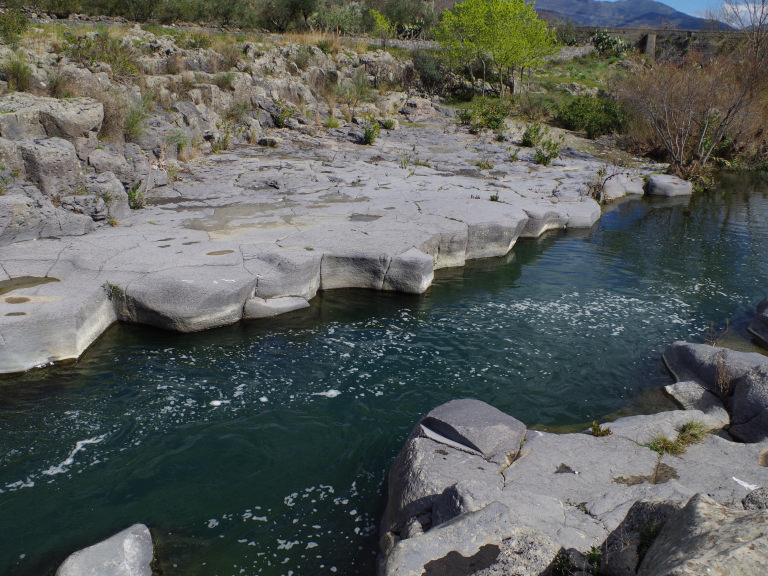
{"points": [[690, 433], [224, 80], [113, 290], [371, 130], [494, 197], [331, 122], [136, 196], [547, 151], [18, 72], [282, 113], [648, 535], [597, 430], [136, 118], [562, 565], [533, 134], [595, 558], [484, 164], [388, 123]]}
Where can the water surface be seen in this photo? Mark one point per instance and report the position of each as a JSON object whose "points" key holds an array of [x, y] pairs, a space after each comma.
{"points": [[262, 448]]}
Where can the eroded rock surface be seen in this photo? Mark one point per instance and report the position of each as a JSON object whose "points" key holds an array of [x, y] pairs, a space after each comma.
{"points": [[128, 553]]}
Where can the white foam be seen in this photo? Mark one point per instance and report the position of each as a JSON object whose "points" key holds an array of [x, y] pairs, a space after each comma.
{"points": [[63, 466], [328, 393]]}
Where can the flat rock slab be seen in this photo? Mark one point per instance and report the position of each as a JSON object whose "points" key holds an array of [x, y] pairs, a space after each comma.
{"points": [[317, 213], [128, 553], [667, 185]]}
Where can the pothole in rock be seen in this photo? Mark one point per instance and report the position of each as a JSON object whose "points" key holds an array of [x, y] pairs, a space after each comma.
{"points": [[662, 474], [17, 300], [219, 252], [363, 218], [24, 282], [16, 314]]}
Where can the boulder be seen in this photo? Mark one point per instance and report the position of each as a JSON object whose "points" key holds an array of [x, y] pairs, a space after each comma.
{"points": [[759, 326], [622, 185], [92, 206], [52, 163], [107, 187], [30, 117], [354, 269], [127, 553], [705, 537], [739, 379], [497, 546], [418, 109], [693, 396], [410, 272], [667, 185], [11, 159], [756, 500], [25, 218], [110, 158]]}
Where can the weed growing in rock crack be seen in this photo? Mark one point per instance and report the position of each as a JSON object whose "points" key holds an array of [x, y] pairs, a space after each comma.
{"points": [[484, 164], [370, 130], [282, 114], [136, 118], [136, 196], [594, 557], [224, 80], [494, 198], [690, 433], [113, 290], [178, 139], [331, 122], [562, 565], [388, 123], [597, 430], [533, 134], [648, 536]]}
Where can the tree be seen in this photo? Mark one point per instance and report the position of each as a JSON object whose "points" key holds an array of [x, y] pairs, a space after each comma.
{"points": [[751, 18], [507, 32]]}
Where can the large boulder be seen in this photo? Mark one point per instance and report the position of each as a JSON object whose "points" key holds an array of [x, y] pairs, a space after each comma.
{"points": [[759, 326], [127, 553], [667, 185], [52, 163], [706, 537], [739, 379], [25, 217], [28, 117], [107, 187]]}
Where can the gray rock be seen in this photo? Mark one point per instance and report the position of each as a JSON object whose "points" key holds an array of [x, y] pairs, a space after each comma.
{"points": [[354, 269], [693, 396], [31, 117], [186, 299], [11, 159], [260, 308], [410, 272], [107, 187], [667, 185], [418, 109], [759, 326], [24, 218], [707, 538], [111, 159], [622, 185], [643, 429], [52, 163], [448, 551], [128, 553], [756, 500], [740, 379], [290, 272], [92, 206]]}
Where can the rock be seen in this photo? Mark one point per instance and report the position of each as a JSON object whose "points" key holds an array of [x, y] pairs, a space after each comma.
{"points": [[449, 465], [111, 159], [24, 218], [667, 185], [447, 551], [107, 187], [92, 206], [128, 553], [418, 109], [621, 185], [11, 159], [627, 545], [756, 500], [411, 272], [740, 379], [354, 269], [759, 326], [31, 117], [693, 396], [290, 272], [644, 429], [707, 538], [186, 299], [52, 163], [260, 308]]}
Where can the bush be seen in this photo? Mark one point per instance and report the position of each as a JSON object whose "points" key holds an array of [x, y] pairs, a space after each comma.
{"points": [[17, 72], [12, 25], [533, 134], [595, 116], [370, 130], [224, 80], [607, 45], [136, 118], [121, 56], [429, 68]]}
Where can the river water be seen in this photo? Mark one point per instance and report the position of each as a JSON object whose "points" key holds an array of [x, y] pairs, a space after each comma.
{"points": [[262, 448]]}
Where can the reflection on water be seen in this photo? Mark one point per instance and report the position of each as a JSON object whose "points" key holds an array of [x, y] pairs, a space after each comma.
{"points": [[262, 448]]}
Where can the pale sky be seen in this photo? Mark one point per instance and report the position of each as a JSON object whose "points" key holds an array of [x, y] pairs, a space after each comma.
{"points": [[693, 7]]}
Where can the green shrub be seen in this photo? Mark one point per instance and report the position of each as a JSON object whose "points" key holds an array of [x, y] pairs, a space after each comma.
{"points": [[12, 25], [136, 196], [548, 151], [18, 72], [101, 47], [533, 134], [595, 116], [136, 118], [370, 130], [224, 80], [429, 68], [607, 45], [331, 122], [388, 123], [326, 46], [178, 139], [282, 114]]}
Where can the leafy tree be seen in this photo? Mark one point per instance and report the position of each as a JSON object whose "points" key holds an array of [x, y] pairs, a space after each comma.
{"points": [[508, 32]]}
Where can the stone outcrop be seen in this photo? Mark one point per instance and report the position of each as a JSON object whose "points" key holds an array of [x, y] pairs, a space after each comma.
{"points": [[759, 326], [464, 489], [127, 553], [737, 379], [667, 185]]}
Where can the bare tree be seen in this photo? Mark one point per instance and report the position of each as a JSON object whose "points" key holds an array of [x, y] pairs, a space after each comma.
{"points": [[751, 18]]}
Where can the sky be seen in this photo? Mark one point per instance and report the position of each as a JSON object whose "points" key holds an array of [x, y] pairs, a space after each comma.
{"points": [[692, 7]]}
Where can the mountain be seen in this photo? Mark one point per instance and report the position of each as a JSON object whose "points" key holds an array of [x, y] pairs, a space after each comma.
{"points": [[624, 13]]}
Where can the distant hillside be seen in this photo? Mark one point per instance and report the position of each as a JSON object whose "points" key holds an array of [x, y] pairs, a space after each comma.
{"points": [[625, 13]]}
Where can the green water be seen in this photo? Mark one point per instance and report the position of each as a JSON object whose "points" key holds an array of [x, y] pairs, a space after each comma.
{"points": [[262, 448]]}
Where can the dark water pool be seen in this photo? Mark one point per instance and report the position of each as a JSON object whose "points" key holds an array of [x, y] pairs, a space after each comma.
{"points": [[263, 448]]}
